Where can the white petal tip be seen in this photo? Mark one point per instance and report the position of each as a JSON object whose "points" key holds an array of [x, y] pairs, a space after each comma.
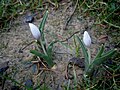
{"points": [[35, 31], [87, 39]]}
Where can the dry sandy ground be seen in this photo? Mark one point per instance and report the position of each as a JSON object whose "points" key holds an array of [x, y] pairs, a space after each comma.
{"points": [[20, 35]]}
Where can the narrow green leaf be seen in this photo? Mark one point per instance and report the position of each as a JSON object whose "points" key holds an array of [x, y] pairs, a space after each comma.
{"points": [[100, 52], [40, 3], [68, 86], [45, 57], [75, 78], [84, 52], [41, 27], [49, 49], [42, 24], [117, 67], [100, 60], [105, 56]]}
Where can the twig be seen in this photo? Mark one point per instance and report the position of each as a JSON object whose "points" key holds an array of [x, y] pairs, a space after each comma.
{"points": [[66, 71], [71, 15], [103, 20], [21, 49], [54, 4], [83, 3], [68, 6], [111, 24], [46, 69], [39, 61], [70, 36], [20, 2], [42, 62]]}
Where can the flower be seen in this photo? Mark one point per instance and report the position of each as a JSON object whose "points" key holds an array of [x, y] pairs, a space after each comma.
{"points": [[35, 31], [86, 39]]}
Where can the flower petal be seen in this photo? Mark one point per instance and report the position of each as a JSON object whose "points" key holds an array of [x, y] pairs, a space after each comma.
{"points": [[86, 39], [35, 31]]}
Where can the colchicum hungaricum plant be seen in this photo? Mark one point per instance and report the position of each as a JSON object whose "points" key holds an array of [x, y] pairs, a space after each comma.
{"points": [[44, 51], [100, 58]]}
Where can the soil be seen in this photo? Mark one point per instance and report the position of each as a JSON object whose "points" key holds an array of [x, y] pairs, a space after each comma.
{"points": [[19, 36]]}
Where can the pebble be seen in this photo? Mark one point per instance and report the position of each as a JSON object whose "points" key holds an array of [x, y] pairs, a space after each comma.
{"points": [[29, 83], [15, 88], [29, 19], [3, 67], [77, 61], [34, 69]]}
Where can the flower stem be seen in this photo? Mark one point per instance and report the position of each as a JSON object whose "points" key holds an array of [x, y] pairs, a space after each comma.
{"points": [[43, 47], [89, 56]]}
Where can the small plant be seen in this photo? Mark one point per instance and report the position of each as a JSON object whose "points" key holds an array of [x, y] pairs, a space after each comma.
{"points": [[100, 58], [43, 51]]}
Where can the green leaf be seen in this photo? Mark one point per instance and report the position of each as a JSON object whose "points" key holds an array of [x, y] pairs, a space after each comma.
{"points": [[75, 78], [42, 24], [84, 52], [100, 52], [45, 57], [100, 60], [104, 57], [49, 49]]}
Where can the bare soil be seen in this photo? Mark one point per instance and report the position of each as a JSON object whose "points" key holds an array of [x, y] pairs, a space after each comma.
{"points": [[19, 36]]}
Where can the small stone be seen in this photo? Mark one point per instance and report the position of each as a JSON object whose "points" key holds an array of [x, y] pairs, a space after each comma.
{"points": [[15, 88], [34, 69], [29, 19], [77, 61], [3, 67], [29, 83]]}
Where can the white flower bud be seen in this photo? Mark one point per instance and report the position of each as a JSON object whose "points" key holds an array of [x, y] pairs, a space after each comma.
{"points": [[86, 39], [35, 31]]}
